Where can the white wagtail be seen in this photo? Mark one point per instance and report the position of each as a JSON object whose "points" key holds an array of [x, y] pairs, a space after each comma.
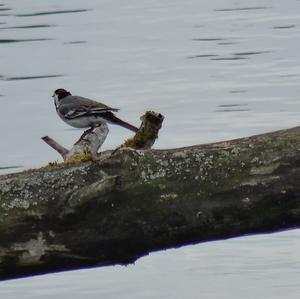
{"points": [[81, 112]]}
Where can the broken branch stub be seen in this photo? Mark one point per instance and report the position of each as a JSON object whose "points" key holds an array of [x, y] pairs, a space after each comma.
{"points": [[59, 148], [148, 131], [89, 142]]}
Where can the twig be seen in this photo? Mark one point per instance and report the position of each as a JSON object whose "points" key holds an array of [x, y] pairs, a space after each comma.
{"points": [[87, 145], [59, 148]]}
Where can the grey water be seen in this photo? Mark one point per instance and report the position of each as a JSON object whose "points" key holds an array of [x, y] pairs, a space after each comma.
{"points": [[217, 70]]}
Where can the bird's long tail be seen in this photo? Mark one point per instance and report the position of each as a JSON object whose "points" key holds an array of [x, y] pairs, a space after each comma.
{"points": [[115, 120]]}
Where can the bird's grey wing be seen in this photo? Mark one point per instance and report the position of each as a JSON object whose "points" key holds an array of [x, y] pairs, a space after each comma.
{"points": [[79, 106]]}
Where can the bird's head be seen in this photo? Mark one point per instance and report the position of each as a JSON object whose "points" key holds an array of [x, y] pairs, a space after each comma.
{"points": [[60, 94]]}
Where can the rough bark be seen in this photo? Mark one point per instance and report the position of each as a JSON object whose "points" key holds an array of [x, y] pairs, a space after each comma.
{"points": [[136, 201]]}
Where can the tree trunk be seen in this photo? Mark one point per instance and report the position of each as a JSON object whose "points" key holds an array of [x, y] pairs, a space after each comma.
{"points": [[131, 202]]}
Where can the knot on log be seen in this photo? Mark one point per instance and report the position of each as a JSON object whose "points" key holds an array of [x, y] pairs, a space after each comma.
{"points": [[91, 193]]}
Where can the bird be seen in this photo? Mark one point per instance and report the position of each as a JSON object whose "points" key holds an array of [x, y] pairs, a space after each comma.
{"points": [[80, 112]]}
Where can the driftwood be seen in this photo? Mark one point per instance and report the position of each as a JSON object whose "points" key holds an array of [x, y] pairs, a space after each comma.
{"points": [[92, 139], [132, 202], [89, 142]]}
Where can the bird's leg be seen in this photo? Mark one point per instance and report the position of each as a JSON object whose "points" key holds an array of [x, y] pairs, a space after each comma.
{"points": [[89, 131], [85, 133], [92, 128]]}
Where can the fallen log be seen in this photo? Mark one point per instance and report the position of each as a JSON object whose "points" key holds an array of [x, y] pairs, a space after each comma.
{"points": [[132, 202]]}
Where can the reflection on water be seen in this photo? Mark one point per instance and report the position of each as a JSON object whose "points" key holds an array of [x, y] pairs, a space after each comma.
{"points": [[260, 267]]}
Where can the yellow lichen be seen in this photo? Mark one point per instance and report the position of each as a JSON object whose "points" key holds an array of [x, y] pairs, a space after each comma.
{"points": [[140, 139], [77, 158], [80, 157]]}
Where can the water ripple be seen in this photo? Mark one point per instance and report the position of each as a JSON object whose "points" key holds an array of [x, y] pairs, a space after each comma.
{"points": [[10, 167], [232, 105], [31, 77], [237, 91], [227, 43], [232, 108], [208, 39], [289, 75], [230, 58], [28, 26], [251, 53], [42, 13], [243, 8], [10, 41], [284, 27], [202, 56], [76, 42]]}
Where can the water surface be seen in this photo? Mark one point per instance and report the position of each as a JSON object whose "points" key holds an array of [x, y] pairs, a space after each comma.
{"points": [[263, 266], [181, 60], [216, 69]]}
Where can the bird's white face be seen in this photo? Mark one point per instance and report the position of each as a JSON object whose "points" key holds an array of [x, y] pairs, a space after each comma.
{"points": [[56, 100]]}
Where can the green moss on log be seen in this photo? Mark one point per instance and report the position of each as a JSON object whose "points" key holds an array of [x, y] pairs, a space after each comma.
{"points": [[147, 134]]}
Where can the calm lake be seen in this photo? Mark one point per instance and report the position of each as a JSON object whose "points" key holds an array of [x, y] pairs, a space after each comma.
{"points": [[217, 70]]}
